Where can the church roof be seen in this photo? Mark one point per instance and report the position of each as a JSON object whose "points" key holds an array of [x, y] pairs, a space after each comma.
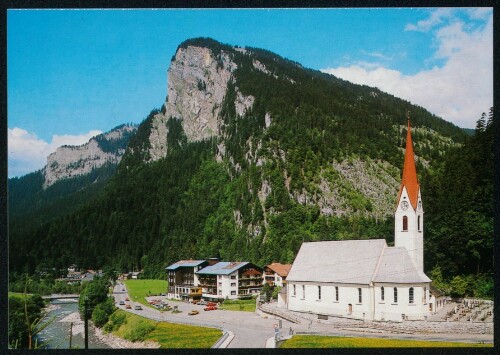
{"points": [[345, 261], [354, 262], [396, 266], [409, 178]]}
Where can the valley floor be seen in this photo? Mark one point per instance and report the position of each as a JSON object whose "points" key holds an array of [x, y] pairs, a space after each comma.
{"points": [[253, 330]]}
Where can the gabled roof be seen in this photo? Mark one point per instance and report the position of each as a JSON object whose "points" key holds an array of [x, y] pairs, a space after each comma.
{"points": [[345, 261], [222, 268], [396, 266], [409, 178], [185, 263], [354, 262], [281, 269]]}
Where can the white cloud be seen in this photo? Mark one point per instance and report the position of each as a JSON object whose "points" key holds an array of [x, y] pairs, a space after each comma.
{"points": [[28, 153], [459, 91], [435, 19]]}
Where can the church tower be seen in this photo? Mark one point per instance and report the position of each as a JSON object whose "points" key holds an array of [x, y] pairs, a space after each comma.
{"points": [[409, 215]]}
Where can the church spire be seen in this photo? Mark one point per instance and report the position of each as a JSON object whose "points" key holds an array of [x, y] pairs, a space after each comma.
{"points": [[409, 178]]}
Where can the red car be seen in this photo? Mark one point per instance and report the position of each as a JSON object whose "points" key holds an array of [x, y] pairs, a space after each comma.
{"points": [[210, 308]]}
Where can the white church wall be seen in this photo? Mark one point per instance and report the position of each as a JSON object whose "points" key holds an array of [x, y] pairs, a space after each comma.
{"points": [[389, 309], [347, 305]]}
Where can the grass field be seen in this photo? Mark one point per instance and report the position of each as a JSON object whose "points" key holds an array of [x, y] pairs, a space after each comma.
{"points": [[316, 341], [168, 335], [238, 305], [139, 289]]}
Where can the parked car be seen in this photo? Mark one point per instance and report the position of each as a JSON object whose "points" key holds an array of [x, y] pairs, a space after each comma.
{"points": [[123, 289], [138, 308], [122, 302], [126, 299], [128, 306], [210, 308], [202, 303], [211, 304], [193, 312]]}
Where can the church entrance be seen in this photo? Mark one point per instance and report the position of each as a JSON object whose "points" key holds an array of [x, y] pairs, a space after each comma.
{"points": [[349, 309]]}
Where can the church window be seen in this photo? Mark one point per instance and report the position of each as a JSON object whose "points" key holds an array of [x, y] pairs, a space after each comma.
{"points": [[418, 223], [294, 290], [382, 295], [395, 295], [319, 292], [360, 296], [410, 294], [303, 291], [424, 298], [336, 293], [405, 223]]}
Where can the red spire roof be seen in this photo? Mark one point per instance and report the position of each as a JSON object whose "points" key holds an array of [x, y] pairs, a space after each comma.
{"points": [[409, 179]]}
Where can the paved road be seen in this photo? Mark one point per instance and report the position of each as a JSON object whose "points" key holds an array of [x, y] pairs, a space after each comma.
{"points": [[252, 331]]}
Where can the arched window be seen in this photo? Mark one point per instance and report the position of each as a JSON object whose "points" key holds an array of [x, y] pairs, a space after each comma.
{"points": [[382, 293], [405, 223], [410, 294], [360, 296], [424, 298], [303, 291], [395, 295], [418, 223]]}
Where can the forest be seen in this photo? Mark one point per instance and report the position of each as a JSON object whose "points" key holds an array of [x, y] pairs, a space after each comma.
{"points": [[190, 205]]}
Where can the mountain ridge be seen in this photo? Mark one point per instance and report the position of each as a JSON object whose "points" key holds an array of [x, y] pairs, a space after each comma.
{"points": [[250, 155]]}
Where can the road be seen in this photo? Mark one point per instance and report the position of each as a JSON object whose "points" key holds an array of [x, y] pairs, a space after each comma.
{"points": [[252, 331]]}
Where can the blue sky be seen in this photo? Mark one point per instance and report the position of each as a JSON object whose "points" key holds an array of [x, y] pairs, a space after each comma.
{"points": [[74, 73]]}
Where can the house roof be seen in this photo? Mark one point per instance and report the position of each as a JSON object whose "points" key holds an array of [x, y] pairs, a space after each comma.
{"points": [[396, 266], [354, 262], [280, 269], [185, 263], [222, 268], [409, 178]]}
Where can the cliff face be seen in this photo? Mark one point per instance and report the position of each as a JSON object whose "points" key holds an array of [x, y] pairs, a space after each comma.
{"points": [[70, 161], [197, 85]]}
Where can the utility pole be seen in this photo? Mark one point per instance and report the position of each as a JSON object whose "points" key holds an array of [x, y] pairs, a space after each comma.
{"points": [[86, 318], [70, 333]]}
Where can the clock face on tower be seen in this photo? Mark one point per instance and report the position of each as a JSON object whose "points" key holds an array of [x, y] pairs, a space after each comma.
{"points": [[404, 205]]}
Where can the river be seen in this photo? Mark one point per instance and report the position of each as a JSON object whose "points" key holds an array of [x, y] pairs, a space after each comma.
{"points": [[57, 334]]}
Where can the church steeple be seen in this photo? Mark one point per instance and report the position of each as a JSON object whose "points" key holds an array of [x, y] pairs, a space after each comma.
{"points": [[409, 178], [409, 214]]}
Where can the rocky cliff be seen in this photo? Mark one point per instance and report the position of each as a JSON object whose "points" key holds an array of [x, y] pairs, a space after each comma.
{"points": [[70, 161]]}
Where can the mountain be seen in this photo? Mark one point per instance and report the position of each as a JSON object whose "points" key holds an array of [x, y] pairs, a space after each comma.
{"points": [[250, 155], [72, 174]]}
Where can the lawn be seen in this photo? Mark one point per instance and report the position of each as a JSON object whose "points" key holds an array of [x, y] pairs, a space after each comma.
{"points": [[238, 305], [139, 289], [168, 335], [317, 341], [171, 335]]}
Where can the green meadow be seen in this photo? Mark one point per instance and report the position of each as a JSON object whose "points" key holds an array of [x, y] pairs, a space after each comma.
{"points": [[317, 341], [139, 289]]}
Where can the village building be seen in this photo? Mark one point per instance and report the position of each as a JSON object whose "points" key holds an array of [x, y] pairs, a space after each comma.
{"points": [[275, 274], [230, 280], [183, 283], [367, 279]]}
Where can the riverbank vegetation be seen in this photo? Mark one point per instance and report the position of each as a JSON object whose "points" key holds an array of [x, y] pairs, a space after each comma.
{"points": [[95, 301], [25, 320], [318, 341], [170, 336]]}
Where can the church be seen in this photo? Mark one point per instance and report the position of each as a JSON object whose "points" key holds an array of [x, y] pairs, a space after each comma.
{"points": [[367, 279]]}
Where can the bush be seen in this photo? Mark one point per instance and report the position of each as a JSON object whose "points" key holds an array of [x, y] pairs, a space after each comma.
{"points": [[140, 332], [99, 316], [117, 319]]}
